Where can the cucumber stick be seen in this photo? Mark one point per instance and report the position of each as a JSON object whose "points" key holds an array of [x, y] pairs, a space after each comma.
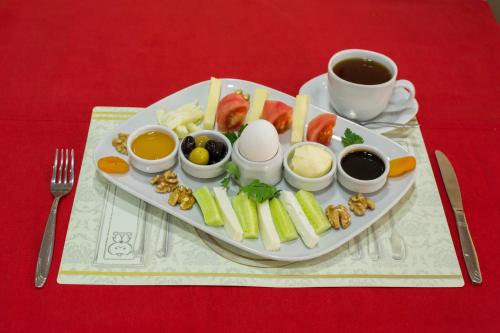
{"points": [[231, 224], [208, 207], [282, 222], [270, 236], [313, 211], [299, 219], [246, 211]]}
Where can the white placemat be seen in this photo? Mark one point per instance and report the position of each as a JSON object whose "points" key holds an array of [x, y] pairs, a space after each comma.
{"points": [[94, 239]]}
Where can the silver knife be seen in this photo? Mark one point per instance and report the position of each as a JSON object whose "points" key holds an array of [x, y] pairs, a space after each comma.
{"points": [[453, 190]]}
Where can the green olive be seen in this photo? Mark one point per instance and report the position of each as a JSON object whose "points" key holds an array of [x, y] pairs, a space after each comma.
{"points": [[199, 155], [201, 140]]}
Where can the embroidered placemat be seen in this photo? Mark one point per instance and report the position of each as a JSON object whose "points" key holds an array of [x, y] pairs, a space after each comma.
{"points": [[114, 238]]}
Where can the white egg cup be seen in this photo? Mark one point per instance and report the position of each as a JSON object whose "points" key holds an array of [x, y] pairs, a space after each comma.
{"points": [[359, 185], [209, 170], [306, 183], [152, 166], [269, 172]]}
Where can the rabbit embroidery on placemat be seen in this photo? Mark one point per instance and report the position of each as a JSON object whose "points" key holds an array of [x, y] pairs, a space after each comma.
{"points": [[121, 244]]}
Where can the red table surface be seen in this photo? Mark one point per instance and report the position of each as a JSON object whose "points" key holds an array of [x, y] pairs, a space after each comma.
{"points": [[60, 58]]}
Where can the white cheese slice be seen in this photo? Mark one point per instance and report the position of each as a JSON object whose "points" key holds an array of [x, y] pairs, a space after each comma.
{"points": [[270, 236], [300, 111], [257, 106], [231, 223], [213, 101], [299, 219], [181, 131]]}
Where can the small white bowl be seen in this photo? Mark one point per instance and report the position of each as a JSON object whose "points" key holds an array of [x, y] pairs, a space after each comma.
{"points": [[209, 170], [358, 185], [306, 183], [269, 172], [152, 166]]}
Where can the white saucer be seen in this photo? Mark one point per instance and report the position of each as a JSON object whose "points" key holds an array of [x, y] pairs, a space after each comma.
{"points": [[317, 89]]}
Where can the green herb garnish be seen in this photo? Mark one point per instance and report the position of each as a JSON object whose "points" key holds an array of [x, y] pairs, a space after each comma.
{"points": [[351, 138], [233, 136], [225, 182], [259, 191], [232, 171]]}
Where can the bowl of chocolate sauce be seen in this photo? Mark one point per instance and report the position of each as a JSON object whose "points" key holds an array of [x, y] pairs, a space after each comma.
{"points": [[362, 168]]}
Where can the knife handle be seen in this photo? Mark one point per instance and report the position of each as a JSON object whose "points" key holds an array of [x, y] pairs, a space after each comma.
{"points": [[468, 249]]}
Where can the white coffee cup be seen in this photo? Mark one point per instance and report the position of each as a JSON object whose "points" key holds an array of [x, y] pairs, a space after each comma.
{"points": [[362, 101]]}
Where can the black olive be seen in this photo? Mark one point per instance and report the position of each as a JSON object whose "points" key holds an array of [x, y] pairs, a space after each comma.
{"points": [[211, 147], [188, 144], [224, 149], [216, 150]]}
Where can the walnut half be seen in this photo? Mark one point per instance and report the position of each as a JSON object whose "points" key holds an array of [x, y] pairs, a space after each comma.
{"points": [[183, 196], [120, 143], [166, 182], [338, 216], [359, 203]]}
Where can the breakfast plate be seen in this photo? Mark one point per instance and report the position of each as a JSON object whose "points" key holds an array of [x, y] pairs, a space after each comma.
{"points": [[317, 88], [138, 183]]}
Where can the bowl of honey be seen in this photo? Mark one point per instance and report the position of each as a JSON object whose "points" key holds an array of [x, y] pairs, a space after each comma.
{"points": [[153, 148]]}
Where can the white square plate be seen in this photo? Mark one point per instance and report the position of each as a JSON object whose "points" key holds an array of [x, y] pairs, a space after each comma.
{"points": [[137, 183]]}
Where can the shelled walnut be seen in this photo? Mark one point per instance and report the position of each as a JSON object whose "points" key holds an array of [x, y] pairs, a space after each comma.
{"points": [[359, 203], [183, 196], [120, 143], [166, 182], [338, 216]]}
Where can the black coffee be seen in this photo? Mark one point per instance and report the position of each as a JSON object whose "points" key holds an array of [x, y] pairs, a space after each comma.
{"points": [[362, 71]]}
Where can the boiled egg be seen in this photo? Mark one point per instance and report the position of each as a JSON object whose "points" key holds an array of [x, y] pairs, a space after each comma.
{"points": [[259, 141]]}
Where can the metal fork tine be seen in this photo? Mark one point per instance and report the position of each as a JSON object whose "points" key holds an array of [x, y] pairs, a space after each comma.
{"points": [[61, 166], [72, 169], [54, 169], [66, 167]]}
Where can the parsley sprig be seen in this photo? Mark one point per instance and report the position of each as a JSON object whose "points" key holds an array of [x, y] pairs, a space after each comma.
{"points": [[233, 136], [256, 190], [351, 138], [259, 191], [232, 172]]}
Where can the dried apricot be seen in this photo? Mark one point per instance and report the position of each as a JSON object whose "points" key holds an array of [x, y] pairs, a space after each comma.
{"points": [[113, 164], [401, 165]]}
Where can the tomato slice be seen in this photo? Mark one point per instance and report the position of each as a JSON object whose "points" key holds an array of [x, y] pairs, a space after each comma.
{"points": [[279, 114], [320, 129], [231, 112]]}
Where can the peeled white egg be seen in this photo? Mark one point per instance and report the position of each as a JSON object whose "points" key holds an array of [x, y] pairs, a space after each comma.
{"points": [[259, 141]]}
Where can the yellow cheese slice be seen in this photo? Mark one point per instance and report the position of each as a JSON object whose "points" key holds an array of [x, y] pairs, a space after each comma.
{"points": [[213, 101], [258, 99], [299, 117]]}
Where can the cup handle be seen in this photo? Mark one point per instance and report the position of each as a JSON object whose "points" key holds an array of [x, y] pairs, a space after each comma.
{"points": [[395, 106]]}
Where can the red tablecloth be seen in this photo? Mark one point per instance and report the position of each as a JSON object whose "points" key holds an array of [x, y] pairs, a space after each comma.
{"points": [[60, 58]]}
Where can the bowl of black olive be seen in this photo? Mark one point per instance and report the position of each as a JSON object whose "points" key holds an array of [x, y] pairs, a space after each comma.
{"points": [[362, 168], [204, 154]]}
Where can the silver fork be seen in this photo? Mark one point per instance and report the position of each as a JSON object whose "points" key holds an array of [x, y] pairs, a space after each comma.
{"points": [[60, 185]]}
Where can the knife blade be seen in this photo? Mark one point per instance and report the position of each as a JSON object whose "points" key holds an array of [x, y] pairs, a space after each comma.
{"points": [[453, 190]]}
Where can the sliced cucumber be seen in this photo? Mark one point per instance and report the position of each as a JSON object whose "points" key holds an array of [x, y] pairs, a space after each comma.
{"points": [[208, 207], [231, 224], [313, 211], [282, 222], [270, 236], [299, 219], [246, 211]]}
